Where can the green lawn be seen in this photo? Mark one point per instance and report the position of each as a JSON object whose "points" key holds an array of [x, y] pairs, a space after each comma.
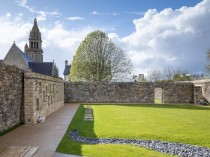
{"points": [[178, 123]]}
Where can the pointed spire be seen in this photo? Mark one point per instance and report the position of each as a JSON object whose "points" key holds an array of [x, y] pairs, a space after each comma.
{"points": [[35, 26], [26, 48]]}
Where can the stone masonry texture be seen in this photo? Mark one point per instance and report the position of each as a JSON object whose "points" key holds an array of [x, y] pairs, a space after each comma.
{"points": [[11, 96], [132, 92], [43, 96], [24, 96], [205, 88]]}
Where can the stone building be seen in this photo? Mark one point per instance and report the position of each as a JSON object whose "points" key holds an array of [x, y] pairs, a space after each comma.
{"points": [[34, 51], [66, 71], [32, 57]]}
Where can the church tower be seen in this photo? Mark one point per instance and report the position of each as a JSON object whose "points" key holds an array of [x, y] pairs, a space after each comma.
{"points": [[34, 50]]}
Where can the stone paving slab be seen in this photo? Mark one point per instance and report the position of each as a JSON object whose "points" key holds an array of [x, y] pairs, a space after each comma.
{"points": [[45, 135], [19, 151], [64, 155]]}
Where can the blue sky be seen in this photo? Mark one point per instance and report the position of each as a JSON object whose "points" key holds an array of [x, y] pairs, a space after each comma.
{"points": [[154, 34]]}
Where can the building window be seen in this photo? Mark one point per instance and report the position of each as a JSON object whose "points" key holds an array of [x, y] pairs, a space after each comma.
{"points": [[48, 100], [37, 104], [43, 95], [40, 87], [31, 44], [46, 90], [51, 99]]}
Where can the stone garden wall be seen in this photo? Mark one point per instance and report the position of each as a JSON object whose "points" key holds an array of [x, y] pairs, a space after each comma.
{"points": [[176, 92], [127, 92], [202, 89], [11, 96], [43, 96]]}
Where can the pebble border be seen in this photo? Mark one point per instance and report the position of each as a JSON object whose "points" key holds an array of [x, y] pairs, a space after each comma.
{"points": [[173, 148]]}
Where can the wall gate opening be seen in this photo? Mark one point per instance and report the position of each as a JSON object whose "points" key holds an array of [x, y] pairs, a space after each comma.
{"points": [[158, 95]]}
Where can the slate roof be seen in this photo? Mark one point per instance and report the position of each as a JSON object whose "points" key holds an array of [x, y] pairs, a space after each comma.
{"points": [[26, 58], [45, 68], [16, 49], [67, 70]]}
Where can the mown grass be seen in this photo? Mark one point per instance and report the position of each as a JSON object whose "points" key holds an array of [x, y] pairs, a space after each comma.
{"points": [[158, 101], [178, 123]]}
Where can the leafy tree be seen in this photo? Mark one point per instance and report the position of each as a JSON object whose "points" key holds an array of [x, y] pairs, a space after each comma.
{"points": [[99, 60], [167, 74], [181, 76]]}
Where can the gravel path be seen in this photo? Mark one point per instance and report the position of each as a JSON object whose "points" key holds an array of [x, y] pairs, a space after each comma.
{"points": [[183, 150]]}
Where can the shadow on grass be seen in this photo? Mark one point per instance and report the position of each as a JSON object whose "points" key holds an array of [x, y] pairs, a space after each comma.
{"points": [[86, 128], [69, 146]]}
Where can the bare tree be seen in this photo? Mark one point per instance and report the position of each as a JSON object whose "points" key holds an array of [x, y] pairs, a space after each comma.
{"points": [[168, 73], [154, 75], [99, 60]]}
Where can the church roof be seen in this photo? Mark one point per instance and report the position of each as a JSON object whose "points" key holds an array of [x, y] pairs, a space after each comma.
{"points": [[67, 70], [15, 49], [26, 58], [45, 68]]}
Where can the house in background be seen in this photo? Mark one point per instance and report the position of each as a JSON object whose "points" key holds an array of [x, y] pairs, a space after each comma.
{"points": [[32, 57], [66, 71], [139, 78]]}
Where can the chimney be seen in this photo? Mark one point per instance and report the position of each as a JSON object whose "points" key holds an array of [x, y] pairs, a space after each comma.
{"points": [[66, 63], [141, 77], [26, 48]]}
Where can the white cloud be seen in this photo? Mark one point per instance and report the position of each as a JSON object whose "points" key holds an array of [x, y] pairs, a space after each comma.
{"points": [[134, 13], [105, 13], [41, 15], [13, 30], [59, 44], [8, 15], [171, 37], [22, 2], [75, 18]]}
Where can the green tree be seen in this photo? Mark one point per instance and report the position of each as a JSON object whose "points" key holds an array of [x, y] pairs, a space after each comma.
{"points": [[99, 60], [181, 76]]}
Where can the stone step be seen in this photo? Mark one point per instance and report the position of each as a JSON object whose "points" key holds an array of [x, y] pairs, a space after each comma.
{"points": [[31, 152], [19, 151], [88, 116]]}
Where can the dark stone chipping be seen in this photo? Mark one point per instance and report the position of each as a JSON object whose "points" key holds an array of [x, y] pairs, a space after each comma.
{"points": [[173, 148]]}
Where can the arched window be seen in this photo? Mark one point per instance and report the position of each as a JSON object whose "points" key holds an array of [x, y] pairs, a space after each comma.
{"points": [[31, 44]]}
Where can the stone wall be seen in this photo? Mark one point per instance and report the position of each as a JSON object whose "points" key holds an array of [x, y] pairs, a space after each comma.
{"points": [[43, 96], [127, 92], [176, 92], [202, 89], [11, 96]]}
